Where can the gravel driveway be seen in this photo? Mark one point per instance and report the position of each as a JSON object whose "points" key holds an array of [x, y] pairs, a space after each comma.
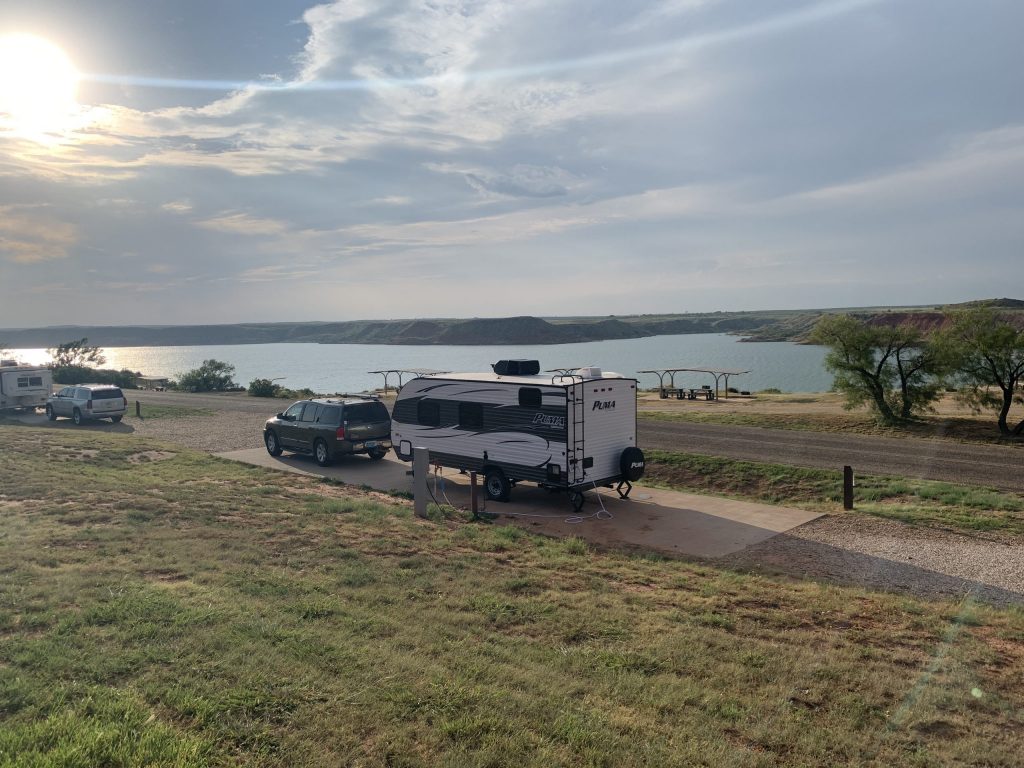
{"points": [[888, 555]]}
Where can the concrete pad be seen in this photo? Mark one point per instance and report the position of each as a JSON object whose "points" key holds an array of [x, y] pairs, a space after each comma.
{"points": [[654, 519]]}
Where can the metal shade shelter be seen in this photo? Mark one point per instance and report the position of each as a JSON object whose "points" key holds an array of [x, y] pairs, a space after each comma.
{"points": [[405, 371], [720, 374]]}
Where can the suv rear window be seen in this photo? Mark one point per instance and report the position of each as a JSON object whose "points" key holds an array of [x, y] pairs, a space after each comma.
{"points": [[366, 413], [330, 414], [106, 394]]}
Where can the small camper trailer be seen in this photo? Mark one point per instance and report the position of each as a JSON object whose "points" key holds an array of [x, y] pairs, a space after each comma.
{"points": [[24, 386], [569, 430]]}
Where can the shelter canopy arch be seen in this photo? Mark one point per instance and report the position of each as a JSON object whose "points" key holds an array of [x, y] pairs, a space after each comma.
{"points": [[720, 374]]}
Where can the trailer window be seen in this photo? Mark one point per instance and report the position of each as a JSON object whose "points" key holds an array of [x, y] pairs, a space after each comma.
{"points": [[22, 381], [428, 413], [529, 397], [35, 381], [471, 414]]}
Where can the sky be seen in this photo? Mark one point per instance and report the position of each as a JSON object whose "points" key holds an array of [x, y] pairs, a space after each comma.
{"points": [[234, 161]]}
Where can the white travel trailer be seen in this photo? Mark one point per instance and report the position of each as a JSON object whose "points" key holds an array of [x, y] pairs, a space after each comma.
{"points": [[24, 386], [573, 430]]}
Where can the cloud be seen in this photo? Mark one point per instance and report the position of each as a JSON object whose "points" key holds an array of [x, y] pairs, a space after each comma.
{"points": [[177, 206], [238, 223], [521, 180], [28, 236]]}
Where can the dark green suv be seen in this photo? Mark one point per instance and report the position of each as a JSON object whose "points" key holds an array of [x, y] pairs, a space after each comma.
{"points": [[330, 427]]}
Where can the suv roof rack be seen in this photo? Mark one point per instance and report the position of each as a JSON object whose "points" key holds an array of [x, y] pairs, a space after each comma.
{"points": [[337, 398]]}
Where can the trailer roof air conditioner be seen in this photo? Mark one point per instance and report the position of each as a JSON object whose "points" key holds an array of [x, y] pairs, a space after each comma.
{"points": [[517, 367]]}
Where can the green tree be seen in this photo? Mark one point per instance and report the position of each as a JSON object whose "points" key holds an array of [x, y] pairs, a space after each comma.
{"points": [[990, 361], [76, 353], [211, 376], [892, 369]]}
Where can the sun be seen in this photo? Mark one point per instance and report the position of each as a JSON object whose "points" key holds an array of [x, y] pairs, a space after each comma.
{"points": [[37, 88]]}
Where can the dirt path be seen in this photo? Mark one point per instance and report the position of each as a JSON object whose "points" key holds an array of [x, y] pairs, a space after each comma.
{"points": [[988, 465]]}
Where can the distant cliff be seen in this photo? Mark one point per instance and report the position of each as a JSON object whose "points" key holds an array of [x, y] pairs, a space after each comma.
{"points": [[773, 325]]}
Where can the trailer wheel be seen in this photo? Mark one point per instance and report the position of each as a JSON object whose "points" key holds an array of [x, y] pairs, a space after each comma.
{"points": [[49, 413], [496, 485], [576, 498]]}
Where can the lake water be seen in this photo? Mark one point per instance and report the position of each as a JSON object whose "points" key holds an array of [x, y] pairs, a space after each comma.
{"points": [[343, 367]]}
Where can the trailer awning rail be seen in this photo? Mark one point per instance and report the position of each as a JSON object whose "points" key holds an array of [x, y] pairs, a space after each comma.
{"points": [[399, 372]]}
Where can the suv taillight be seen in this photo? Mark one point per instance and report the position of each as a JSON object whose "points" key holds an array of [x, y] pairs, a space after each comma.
{"points": [[88, 405], [340, 433], [125, 401]]}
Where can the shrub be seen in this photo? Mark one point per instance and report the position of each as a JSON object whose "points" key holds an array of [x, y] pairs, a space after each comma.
{"points": [[83, 374], [263, 388], [211, 376]]}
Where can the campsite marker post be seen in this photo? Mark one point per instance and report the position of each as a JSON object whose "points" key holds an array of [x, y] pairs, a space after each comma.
{"points": [[847, 487]]}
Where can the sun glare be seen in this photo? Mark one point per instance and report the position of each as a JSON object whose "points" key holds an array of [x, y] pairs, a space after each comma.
{"points": [[37, 88]]}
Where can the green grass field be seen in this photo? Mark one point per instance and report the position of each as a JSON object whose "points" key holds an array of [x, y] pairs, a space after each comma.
{"points": [[161, 607], [922, 502]]}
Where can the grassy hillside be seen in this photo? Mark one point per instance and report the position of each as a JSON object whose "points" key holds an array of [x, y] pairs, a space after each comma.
{"points": [[160, 607], [771, 325]]}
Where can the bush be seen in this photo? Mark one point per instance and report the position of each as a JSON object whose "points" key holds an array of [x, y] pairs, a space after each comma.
{"points": [[263, 388], [211, 376], [771, 391], [83, 374]]}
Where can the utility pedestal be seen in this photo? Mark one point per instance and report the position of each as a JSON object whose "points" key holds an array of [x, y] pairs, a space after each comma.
{"points": [[420, 471]]}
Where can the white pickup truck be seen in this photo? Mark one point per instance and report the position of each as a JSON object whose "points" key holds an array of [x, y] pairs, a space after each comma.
{"points": [[24, 386]]}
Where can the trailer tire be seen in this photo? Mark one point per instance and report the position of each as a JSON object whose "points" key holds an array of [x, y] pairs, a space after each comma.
{"points": [[576, 498], [496, 485], [76, 417], [49, 413], [632, 464]]}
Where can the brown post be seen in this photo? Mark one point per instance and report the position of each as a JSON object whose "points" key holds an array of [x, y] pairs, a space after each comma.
{"points": [[847, 487], [472, 495], [138, 409]]}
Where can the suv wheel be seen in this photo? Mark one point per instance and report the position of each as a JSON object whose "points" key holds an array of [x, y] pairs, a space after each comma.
{"points": [[321, 453], [49, 413], [76, 417], [273, 446]]}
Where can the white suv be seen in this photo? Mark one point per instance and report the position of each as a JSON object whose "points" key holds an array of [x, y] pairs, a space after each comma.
{"points": [[83, 402]]}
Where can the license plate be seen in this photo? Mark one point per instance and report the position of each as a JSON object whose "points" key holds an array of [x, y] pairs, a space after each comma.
{"points": [[371, 443]]}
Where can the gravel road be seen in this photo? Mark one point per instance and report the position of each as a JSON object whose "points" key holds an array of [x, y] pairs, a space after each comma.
{"points": [[883, 554], [989, 465]]}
